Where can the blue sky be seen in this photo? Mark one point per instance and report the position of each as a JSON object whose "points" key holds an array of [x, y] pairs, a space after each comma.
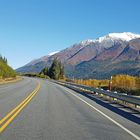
{"points": [[30, 29]]}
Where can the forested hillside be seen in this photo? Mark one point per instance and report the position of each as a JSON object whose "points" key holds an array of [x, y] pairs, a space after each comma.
{"points": [[5, 70]]}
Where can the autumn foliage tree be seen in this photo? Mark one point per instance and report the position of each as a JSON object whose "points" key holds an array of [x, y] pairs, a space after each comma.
{"points": [[124, 81]]}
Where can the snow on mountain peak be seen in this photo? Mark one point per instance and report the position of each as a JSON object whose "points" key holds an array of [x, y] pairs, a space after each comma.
{"points": [[124, 36], [52, 53], [86, 42]]}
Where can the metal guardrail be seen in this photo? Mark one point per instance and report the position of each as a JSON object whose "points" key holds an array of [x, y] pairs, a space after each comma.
{"points": [[119, 96]]}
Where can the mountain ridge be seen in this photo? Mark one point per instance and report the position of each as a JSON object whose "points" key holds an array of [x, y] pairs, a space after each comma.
{"points": [[110, 49]]}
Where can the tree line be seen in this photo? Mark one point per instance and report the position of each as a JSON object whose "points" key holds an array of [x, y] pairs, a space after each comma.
{"points": [[3, 59]]}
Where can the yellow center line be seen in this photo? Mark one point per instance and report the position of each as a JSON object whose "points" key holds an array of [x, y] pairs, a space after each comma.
{"points": [[11, 115]]}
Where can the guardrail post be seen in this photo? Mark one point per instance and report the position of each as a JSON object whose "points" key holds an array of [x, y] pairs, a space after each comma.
{"points": [[135, 106]]}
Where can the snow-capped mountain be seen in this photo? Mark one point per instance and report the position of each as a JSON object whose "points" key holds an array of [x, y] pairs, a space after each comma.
{"points": [[110, 39], [125, 36], [98, 58]]}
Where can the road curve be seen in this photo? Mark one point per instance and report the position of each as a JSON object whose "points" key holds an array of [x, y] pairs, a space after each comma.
{"points": [[58, 113]]}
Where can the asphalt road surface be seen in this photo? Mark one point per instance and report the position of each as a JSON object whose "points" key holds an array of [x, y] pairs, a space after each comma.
{"points": [[36, 109]]}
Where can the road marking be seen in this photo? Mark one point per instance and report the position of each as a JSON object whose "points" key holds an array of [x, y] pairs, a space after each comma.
{"points": [[109, 118], [10, 116], [10, 113]]}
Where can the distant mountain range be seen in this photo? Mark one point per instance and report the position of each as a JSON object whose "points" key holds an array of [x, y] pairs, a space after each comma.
{"points": [[115, 53]]}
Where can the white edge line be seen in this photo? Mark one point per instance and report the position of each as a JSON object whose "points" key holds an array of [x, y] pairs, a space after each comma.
{"points": [[109, 118]]}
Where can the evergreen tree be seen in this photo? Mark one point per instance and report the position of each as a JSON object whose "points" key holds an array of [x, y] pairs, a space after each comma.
{"points": [[3, 59], [54, 71], [45, 71], [61, 76]]}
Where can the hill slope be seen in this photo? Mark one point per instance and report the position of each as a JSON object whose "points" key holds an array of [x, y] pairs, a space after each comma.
{"points": [[5, 70], [114, 53]]}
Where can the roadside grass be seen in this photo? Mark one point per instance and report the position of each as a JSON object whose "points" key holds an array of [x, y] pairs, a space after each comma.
{"points": [[10, 80]]}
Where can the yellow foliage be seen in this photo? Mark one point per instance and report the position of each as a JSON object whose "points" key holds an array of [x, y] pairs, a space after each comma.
{"points": [[124, 81], [92, 82], [119, 81]]}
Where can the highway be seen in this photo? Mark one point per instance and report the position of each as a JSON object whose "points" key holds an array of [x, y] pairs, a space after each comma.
{"points": [[37, 109]]}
